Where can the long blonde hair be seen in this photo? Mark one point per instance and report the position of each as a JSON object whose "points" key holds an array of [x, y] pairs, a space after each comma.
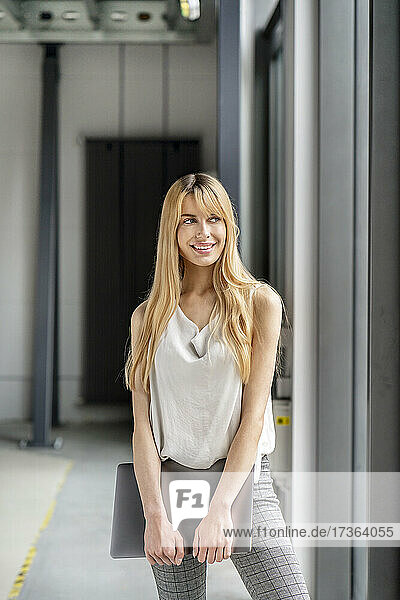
{"points": [[231, 280]]}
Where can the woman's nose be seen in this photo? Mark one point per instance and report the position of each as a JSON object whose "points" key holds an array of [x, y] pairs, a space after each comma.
{"points": [[203, 229]]}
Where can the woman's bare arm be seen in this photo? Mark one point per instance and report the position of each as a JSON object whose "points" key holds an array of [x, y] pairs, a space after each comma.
{"points": [[146, 460], [243, 450], [208, 538], [162, 544]]}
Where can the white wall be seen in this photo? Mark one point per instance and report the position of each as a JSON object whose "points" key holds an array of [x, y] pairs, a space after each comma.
{"points": [[20, 98], [104, 90]]}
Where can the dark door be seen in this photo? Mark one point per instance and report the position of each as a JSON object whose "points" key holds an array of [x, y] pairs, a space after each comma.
{"points": [[126, 184]]}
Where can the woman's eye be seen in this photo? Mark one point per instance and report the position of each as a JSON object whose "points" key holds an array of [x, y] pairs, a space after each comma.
{"points": [[191, 219]]}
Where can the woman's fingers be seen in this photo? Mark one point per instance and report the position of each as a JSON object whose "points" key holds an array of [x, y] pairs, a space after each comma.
{"points": [[156, 558], [219, 556], [180, 551], [163, 545], [195, 543], [160, 557], [227, 551], [168, 555], [202, 553], [211, 555], [150, 558]]}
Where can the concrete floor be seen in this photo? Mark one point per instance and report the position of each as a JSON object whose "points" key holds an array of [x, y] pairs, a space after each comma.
{"points": [[55, 519]]}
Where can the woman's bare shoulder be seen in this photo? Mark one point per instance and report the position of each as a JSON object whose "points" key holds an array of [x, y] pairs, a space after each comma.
{"points": [[266, 299], [138, 314]]}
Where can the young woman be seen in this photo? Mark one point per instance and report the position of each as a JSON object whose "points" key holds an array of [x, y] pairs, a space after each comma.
{"points": [[200, 368]]}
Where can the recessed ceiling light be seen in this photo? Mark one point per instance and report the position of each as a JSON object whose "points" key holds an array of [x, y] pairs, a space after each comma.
{"points": [[119, 15], [71, 15]]}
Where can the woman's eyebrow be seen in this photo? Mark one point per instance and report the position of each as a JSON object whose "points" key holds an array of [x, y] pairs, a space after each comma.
{"points": [[188, 215]]}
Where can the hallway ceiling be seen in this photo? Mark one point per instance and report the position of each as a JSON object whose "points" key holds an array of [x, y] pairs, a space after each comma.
{"points": [[102, 21]]}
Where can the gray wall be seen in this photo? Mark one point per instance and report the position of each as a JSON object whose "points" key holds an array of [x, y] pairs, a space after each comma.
{"points": [[104, 90]]}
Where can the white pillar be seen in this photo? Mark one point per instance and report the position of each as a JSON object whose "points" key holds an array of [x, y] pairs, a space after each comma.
{"points": [[305, 265]]}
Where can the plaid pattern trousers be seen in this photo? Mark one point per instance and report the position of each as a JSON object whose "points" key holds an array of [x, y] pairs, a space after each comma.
{"points": [[269, 571]]}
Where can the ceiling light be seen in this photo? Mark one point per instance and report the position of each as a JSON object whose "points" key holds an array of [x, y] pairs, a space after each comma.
{"points": [[71, 15], [190, 9], [119, 15]]}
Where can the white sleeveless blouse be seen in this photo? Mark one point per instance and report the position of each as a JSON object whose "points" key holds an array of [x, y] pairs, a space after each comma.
{"points": [[196, 396]]}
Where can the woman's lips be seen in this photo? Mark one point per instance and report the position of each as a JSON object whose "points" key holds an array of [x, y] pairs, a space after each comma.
{"points": [[205, 251]]}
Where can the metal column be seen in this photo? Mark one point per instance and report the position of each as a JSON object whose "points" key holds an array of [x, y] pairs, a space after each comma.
{"points": [[228, 118], [44, 387]]}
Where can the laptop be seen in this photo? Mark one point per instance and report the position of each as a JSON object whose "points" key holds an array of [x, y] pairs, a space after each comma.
{"points": [[186, 494]]}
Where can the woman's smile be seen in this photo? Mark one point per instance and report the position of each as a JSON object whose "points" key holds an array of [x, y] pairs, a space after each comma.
{"points": [[203, 249]]}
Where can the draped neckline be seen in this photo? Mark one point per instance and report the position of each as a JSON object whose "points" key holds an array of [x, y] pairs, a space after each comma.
{"points": [[193, 323]]}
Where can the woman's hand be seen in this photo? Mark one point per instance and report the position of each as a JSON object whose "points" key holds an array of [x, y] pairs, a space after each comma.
{"points": [[162, 544], [209, 535]]}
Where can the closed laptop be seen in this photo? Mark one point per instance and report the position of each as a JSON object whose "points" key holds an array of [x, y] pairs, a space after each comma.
{"points": [[186, 494]]}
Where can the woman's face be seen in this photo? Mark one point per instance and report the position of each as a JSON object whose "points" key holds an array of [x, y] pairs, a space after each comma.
{"points": [[195, 230]]}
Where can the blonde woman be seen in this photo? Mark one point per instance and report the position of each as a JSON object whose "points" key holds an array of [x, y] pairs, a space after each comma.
{"points": [[203, 355]]}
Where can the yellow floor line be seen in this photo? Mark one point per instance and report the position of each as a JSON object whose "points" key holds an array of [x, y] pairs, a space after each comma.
{"points": [[19, 580]]}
